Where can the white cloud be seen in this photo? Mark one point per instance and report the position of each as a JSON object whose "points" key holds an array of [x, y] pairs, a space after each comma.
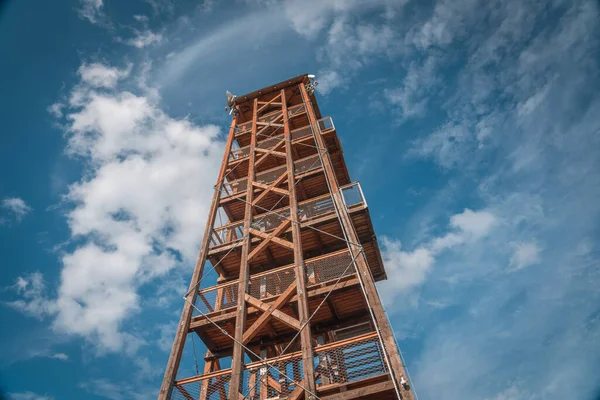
{"points": [[29, 396], [92, 10], [133, 210], [525, 254], [412, 97], [409, 269], [60, 356], [56, 110], [16, 207], [144, 38], [98, 75], [32, 290], [476, 223]]}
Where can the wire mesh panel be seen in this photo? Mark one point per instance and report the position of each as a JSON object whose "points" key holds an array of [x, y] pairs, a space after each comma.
{"points": [[296, 110], [314, 208], [241, 152], [214, 388], [243, 128], [268, 176], [301, 132], [270, 142], [332, 267], [234, 187], [227, 234], [216, 298], [271, 284], [350, 362], [307, 164], [270, 117], [277, 380], [271, 220]]}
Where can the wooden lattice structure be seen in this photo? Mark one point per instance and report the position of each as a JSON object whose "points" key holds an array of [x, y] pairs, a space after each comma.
{"points": [[294, 312]]}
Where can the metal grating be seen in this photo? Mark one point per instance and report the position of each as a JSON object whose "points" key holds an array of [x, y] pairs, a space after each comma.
{"points": [[214, 388], [350, 362], [274, 282]]}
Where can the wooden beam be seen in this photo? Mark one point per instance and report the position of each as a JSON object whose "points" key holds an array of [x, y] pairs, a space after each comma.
{"points": [[186, 314], [266, 104], [299, 267], [297, 392], [314, 291], [271, 152], [361, 392], [263, 319], [271, 188], [185, 393], [237, 359]]}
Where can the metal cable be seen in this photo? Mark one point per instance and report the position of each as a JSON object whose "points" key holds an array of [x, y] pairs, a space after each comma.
{"points": [[397, 389]]}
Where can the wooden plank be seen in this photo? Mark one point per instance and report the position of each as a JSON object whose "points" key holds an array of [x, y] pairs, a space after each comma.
{"points": [[360, 392], [300, 268], [186, 315]]}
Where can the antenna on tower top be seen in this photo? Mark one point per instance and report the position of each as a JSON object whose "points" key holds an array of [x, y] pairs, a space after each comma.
{"points": [[312, 84], [230, 102]]}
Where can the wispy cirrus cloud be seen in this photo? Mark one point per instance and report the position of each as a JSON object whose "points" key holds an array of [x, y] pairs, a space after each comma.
{"points": [[16, 208]]}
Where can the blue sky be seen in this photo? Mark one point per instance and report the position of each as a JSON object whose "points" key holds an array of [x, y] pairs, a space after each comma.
{"points": [[473, 127]]}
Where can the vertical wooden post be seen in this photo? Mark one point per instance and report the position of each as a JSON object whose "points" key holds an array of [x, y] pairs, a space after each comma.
{"points": [[299, 267], [237, 361], [397, 370], [186, 315]]}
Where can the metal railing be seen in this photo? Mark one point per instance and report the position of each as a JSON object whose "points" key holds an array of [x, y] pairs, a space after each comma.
{"points": [[296, 110], [274, 282], [319, 206], [335, 363], [268, 176], [350, 360], [325, 124], [213, 386]]}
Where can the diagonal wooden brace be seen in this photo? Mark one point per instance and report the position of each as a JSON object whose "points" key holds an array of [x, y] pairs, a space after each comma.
{"points": [[282, 227], [282, 178], [297, 392], [271, 188], [274, 312], [264, 318], [276, 240], [266, 104]]}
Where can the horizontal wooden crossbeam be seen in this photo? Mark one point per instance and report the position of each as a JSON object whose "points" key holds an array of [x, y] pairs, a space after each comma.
{"points": [[271, 188]]}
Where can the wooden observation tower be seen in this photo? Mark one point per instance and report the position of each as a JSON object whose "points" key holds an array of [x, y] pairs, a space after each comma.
{"points": [[283, 294]]}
